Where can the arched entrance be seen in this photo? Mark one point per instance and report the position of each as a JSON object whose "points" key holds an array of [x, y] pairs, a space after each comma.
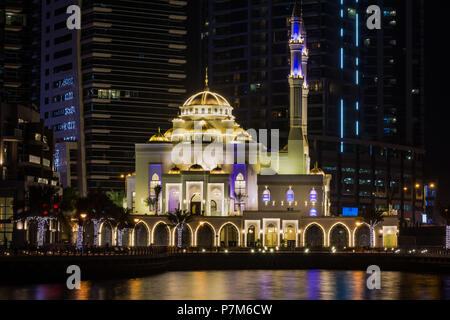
{"points": [[140, 235], [251, 236], [339, 237], [290, 236], [185, 237], [362, 237], [314, 237], [125, 237], [196, 204], [229, 236], [106, 235], [33, 233], [270, 237], [205, 236], [161, 235]]}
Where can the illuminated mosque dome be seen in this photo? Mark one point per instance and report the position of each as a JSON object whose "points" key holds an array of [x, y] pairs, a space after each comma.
{"points": [[158, 138], [206, 98]]}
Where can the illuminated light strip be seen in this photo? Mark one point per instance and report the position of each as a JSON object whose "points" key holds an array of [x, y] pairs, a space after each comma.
{"points": [[357, 127], [342, 124], [357, 77], [175, 230], [342, 58], [357, 30]]}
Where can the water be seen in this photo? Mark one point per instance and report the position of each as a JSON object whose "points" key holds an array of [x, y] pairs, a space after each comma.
{"points": [[246, 285]]}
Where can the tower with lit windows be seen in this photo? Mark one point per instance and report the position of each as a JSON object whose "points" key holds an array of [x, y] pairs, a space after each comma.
{"points": [[298, 149]]}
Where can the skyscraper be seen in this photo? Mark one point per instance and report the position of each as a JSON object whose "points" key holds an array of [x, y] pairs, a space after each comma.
{"points": [[366, 90], [26, 147], [111, 84]]}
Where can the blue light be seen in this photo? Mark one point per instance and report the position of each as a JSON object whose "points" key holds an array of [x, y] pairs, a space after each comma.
{"points": [[342, 13], [357, 76], [313, 212], [342, 58], [342, 32], [357, 128], [349, 212], [357, 30], [357, 105], [342, 124], [357, 61]]}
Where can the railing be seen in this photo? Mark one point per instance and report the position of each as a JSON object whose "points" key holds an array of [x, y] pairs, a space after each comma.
{"points": [[87, 251]]}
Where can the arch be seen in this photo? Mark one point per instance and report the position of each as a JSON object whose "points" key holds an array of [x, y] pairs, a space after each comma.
{"points": [[187, 236], [155, 177], [126, 237], [160, 234], [213, 206], [141, 234], [196, 204], [229, 235], [271, 236], [314, 235], [88, 237], [361, 236], [205, 235], [337, 238], [105, 234], [290, 195], [251, 236], [266, 195]]}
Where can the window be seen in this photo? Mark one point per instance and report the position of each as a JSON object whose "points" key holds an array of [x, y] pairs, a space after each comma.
{"points": [[239, 184], [266, 195], [313, 212], [313, 196], [290, 195], [155, 182]]}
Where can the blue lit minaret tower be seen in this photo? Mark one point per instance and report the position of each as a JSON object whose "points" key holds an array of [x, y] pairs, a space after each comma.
{"points": [[298, 149]]}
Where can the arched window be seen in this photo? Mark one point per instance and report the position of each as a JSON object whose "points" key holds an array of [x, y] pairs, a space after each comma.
{"points": [[313, 196], [239, 184], [266, 195], [313, 212], [153, 183], [290, 195]]}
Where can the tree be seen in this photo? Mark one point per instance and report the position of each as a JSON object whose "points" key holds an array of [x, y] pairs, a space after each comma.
{"points": [[41, 205], [157, 190], [153, 201], [373, 218], [117, 197], [179, 218]]}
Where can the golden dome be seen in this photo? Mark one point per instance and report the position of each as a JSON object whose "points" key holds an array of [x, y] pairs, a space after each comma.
{"points": [[206, 98], [158, 138], [217, 170], [196, 167], [168, 134], [174, 170], [317, 170]]}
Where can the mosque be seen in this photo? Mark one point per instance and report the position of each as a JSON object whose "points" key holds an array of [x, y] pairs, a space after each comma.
{"points": [[242, 195]]}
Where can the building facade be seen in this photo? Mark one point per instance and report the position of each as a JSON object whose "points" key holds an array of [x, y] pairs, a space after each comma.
{"points": [[239, 194], [366, 98]]}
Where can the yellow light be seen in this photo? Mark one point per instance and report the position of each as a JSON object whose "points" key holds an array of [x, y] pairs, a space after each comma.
{"points": [[405, 188], [122, 176], [136, 220], [358, 223], [432, 185], [202, 223], [83, 215], [417, 186]]}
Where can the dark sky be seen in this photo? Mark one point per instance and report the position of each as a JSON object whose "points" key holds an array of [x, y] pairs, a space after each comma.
{"points": [[437, 106]]}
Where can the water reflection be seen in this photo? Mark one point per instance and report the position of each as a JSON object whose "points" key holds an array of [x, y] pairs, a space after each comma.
{"points": [[246, 285]]}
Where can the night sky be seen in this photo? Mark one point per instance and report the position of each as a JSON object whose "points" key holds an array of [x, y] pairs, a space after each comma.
{"points": [[436, 108]]}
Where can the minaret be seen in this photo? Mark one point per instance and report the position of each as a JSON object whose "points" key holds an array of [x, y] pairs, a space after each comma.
{"points": [[298, 149]]}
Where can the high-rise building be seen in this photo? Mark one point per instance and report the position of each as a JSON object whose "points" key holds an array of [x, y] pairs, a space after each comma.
{"points": [[366, 90], [26, 146], [111, 84]]}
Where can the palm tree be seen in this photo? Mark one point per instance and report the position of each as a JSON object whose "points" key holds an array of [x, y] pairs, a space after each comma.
{"points": [[117, 197], [179, 218], [373, 218], [157, 190], [239, 199]]}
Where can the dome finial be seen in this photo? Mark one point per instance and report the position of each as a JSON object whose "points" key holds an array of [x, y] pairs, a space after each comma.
{"points": [[297, 12], [206, 80]]}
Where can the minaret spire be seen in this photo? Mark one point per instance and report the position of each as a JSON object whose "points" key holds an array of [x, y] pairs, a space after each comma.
{"points": [[298, 149], [206, 80]]}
